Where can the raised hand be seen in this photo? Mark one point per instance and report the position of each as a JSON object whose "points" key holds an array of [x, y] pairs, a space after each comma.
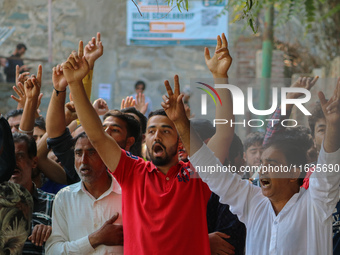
{"points": [[100, 106], [140, 103], [20, 90], [331, 107], [76, 67], [70, 113], [21, 99], [20, 77], [302, 82], [93, 50], [33, 85], [188, 112], [220, 63], [38, 104], [173, 103], [23, 68], [128, 102], [58, 78]]}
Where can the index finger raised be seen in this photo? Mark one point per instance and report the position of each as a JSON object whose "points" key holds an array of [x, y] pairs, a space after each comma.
{"points": [[80, 49], [39, 74], [17, 72]]}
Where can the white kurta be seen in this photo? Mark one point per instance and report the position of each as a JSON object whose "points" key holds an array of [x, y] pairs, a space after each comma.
{"points": [[303, 226], [77, 214]]}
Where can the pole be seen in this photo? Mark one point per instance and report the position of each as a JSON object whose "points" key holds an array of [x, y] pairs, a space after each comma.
{"points": [[267, 52], [50, 53]]}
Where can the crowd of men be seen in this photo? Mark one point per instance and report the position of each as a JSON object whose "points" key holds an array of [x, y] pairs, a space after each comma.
{"points": [[131, 184]]}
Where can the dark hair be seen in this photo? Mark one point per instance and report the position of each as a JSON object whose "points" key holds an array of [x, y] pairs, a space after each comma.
{"points": [[295, 154], [301, 136], [40, 123], [21, 45], [140, 115], [14, 113], [203, 127], [81, 135], [140, 83], [160, 112], [132, 125], [253, 139], [236, 148], [317, 114], [30, 142]]}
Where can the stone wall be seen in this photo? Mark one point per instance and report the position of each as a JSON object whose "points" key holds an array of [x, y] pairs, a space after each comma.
{"points": [[77, 20], [121, 65]]}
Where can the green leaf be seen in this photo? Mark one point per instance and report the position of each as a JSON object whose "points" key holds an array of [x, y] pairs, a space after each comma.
{"points": [[310, 10], [179, 6], [331, 12]]}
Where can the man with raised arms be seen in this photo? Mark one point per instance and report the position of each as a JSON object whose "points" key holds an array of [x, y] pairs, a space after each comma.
{"points": [[281, 217], [163, 205]]}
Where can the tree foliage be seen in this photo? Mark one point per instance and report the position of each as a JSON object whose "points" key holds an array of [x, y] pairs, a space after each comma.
{"points": [[284, 9], [318, 18]]}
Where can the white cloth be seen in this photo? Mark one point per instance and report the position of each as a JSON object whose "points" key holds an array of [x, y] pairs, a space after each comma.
{"points": [[77, 214], [303, 226]]}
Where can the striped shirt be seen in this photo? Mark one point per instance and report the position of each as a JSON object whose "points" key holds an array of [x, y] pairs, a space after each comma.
{"points": [[42, 214]]}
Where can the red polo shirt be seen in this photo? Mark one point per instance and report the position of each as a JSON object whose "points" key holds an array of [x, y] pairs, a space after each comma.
{"points": [[162, 214]]}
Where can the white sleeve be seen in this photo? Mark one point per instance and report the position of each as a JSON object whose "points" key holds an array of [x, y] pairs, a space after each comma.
{"points": [[324, 183], [240, 195], [58, 242]]}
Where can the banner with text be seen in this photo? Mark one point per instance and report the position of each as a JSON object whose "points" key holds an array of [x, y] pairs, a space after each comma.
{"points": [[162, 25]]}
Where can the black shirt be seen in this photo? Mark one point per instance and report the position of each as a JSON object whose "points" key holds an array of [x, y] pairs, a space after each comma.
{"points": [[220, 219], [10, 68]]}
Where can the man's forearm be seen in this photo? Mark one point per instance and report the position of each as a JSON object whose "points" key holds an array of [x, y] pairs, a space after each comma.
{"points": [[223, 137], [27, 120], [81, 246], [62, 148], [332, 138], [55, 118], [86, 113], [189, 137], [51, 169]]}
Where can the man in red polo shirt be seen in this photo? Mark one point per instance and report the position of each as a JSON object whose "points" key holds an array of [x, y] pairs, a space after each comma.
{"points": [[164, 207]]}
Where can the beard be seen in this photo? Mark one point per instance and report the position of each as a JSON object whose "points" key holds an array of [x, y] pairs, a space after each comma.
{"points": [[162, 161]]}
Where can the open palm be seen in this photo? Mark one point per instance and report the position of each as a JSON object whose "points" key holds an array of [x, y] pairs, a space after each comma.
{"points": [[220, 63]]}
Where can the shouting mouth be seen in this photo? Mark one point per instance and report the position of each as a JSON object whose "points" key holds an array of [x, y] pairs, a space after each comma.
{"points": [[158, 150], [265, 182]]}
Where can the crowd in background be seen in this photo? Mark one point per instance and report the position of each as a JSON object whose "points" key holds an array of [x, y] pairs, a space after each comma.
{"points": [[130, 182]]}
